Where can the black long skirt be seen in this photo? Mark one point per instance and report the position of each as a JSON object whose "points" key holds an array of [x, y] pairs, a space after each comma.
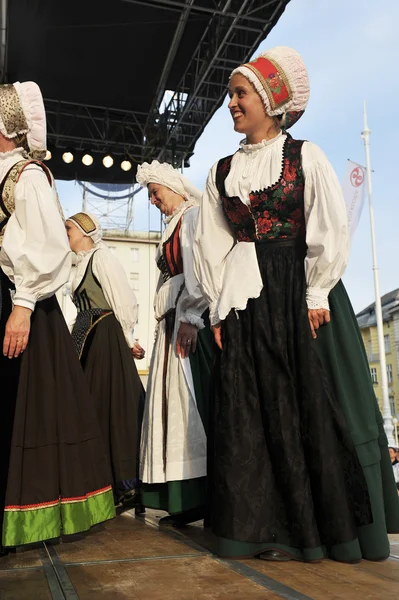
{"points": [[286, 472], [118, 395], [54, 474]]}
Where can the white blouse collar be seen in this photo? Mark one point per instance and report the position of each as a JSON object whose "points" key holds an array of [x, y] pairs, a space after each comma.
{"points": [[11, 153], [249, 148], [83, 254], [180, 208]]}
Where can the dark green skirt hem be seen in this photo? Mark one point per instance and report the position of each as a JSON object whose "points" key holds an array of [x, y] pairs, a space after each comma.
{"points": [[348, 552], [372, 542], [175, 497]]}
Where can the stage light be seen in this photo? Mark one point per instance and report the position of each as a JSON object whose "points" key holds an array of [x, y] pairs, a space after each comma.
{"points": [[48, 155], [108, 161], [87, 159], [68, 157], [126, 165]]}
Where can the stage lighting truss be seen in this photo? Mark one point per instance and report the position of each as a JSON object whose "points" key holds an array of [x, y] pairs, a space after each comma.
{"points": [[170, 131]]}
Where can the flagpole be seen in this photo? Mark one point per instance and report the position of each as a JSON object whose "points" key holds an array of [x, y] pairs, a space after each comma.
{"points": [[388, 424]]}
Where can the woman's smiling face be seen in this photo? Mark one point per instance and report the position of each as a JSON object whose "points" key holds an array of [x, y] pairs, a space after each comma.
{"points": [[246, 106]]}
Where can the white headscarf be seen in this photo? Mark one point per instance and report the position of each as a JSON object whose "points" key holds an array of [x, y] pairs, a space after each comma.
{"points": [[22, 112], [165, 174], [88, 225]]}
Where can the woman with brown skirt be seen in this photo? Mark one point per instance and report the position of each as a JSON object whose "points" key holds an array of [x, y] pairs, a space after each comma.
{"points": [[54, 473]]}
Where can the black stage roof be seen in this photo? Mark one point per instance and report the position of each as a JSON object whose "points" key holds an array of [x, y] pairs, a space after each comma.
{"points": [[104, 66]]}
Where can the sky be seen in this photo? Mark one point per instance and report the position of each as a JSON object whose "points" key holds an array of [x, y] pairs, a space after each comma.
{"points": [[351, 50]]}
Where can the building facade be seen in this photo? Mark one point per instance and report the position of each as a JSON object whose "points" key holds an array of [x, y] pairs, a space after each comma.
{"points": [[368, 326], [136, 253]]}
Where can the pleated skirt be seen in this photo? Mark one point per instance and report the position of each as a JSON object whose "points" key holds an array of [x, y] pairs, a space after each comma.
{"points": [[118, 396], [54, 473]]}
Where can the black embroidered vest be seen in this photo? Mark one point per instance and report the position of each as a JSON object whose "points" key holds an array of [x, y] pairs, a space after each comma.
{"points": [[276, 212]]}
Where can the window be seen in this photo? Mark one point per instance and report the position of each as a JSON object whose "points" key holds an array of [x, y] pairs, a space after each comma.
{"points": [[134, 283], [135, 254], [370, 348], [392, 405], [387, 342], [389, 373], [374, 375]]}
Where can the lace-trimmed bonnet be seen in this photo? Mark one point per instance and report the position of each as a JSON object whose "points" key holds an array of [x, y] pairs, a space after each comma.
{"points": [[165, 174], [280, 77], [88, 225], [22, 112]]}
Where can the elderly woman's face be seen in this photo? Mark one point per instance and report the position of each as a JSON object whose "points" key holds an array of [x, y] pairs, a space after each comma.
{"points": [[164, 198], [75, 235]]}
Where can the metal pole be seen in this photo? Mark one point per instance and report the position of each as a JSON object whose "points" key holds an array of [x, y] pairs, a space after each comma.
{"points": [[3, 40], [84, 200], [388, 425]]}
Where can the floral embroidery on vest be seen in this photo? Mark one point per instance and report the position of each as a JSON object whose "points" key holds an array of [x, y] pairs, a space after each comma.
{"points": [[274, 212]]}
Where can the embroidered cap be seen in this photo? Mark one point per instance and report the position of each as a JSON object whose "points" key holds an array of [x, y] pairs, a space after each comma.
{"points": [[88, 224], [22, 112], [280, 77]]}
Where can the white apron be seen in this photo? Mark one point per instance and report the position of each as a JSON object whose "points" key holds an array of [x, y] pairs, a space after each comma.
{"points": [[185, 454]]}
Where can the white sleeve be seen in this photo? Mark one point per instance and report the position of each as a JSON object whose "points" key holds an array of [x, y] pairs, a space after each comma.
{"points": [[212, 243], [35, 248], [117, 291], [327, 232], [192, 302]]}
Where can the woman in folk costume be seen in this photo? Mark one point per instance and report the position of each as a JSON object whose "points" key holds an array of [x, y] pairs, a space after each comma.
{"points": [[173, 453], [103, 334], [301, 461], [54, 475]]}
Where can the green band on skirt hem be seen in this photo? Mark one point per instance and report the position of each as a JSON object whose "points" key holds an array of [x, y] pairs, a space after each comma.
{"points": [[348, 552], [175, 496], [28, 526]]}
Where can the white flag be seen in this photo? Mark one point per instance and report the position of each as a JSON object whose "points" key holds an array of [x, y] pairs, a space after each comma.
{"points": [[354, 188]]}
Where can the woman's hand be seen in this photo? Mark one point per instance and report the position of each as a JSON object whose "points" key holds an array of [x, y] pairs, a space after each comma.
{"points": [[217, 333], [317, 318], [186, 339], [138, 352], [17, 332]]}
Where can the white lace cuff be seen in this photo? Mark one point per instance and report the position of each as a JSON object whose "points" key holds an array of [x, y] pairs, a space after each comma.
{"points": [[192, 320], [317, 298]]}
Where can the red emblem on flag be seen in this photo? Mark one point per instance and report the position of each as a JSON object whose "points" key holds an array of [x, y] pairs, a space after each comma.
{"points": [[357, 176]]}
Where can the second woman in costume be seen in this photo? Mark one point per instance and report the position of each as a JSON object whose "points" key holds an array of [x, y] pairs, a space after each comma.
{"points": [[174, 436], [103, 334]]}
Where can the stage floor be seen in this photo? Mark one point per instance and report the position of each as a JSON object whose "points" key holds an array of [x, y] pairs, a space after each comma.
{"points": [[131, 558]]}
